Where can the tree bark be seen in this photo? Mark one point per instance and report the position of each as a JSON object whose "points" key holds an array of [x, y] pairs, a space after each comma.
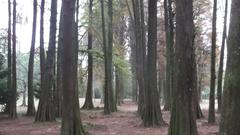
{"points": [[45, 110], [211, 115], [71, 123], [183, 119], [152, 113], [88, 99], [220, 71], [31, 108], [230, 114], [9, 81], [13, 104]]}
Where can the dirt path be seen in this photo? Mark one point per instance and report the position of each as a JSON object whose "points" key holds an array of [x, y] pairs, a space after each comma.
{"points": [[123, 122]]}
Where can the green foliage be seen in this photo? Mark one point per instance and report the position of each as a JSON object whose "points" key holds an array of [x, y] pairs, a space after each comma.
{"points": [[4, 93]]}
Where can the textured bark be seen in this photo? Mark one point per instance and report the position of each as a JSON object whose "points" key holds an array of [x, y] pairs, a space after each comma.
{"points": [[9, 78], [140, 53], [42, 52], [211, 115], [112, 101], [13, 104], [168, 13], [220, 71], [31, 108], [88, 99], [71, 122], [58, 95], [231, 101], [183, 119], [106, 91], [45, 110], [152, 113]]}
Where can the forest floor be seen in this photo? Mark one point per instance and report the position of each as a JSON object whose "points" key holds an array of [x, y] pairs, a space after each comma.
{"points": [[123, 122]]}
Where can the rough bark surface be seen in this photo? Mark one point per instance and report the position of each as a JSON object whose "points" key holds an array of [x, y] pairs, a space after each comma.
{"points": [[31, 108], [231, 102], [183, 119]]}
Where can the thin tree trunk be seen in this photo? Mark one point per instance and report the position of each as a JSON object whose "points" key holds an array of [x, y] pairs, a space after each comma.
{"points": [[106, 91], [9, 81], [31, 108], [220, 71], [88, 99], [13, 104], [211, 115]]}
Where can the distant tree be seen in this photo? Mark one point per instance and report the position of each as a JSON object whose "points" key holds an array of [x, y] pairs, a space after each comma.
{"points": [[31, 108], [13, 103], [152, 113], [88, 104], [45, 110], [230, 117], [211, 115], [220, 71], [183, 119], [9, 80]]}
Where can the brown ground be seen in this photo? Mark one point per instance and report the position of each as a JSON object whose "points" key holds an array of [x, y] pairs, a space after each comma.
{"points": [[124, 122]]}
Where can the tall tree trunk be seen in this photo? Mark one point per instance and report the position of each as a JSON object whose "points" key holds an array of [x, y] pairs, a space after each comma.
{"points": [[140, 55], [71, 123], [45, 110], [88, 99], [106, 91], [113, 106], [31, 108], [152, 113], [59, 89], [13, 104], [168, 13], [230, 114], [220, 71], [42, 50], [9, 80], [211, 115], [183, 119]]}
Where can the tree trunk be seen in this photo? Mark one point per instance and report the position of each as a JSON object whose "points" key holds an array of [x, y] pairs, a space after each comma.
{"points": [[88, 99], [31, 108], [9, 79], [45, 110], [42, 52], [211, 115], [13, 104], [220, 71], [169, 40], [230, 114], [183, 119], [152, 113], [112, 102], [106, 91], [71, 123], [58, 95]]}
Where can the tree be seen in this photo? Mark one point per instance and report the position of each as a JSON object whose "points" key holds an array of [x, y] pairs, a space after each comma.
{"points": [[13, 104], [183, 119], [42, 52], [211, 115], [9, 80], [45, 110], [230, 118], [220, 71], [152, 113], [169, 30], [71, 122], [88, 99], [31, 108]]}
